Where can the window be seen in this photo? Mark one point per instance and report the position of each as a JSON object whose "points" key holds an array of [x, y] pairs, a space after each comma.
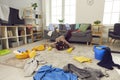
{"points": [[111, 12], [70, 11], [61, 9], [56, 10]]}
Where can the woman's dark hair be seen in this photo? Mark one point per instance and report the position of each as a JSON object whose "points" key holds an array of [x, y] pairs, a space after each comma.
{"points": [[61, 45]]}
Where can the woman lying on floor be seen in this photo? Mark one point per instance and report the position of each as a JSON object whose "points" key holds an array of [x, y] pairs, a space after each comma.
{"points": [[61, 44]]}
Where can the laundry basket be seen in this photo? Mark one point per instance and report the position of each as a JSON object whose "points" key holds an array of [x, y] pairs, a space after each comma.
{"points": [[99, 52]]}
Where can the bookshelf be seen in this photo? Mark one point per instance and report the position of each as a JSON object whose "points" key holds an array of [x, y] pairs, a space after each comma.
{"points": [[14, 36]]}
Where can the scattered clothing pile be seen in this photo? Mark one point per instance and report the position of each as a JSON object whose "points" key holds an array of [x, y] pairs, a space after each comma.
{"points": [[50, 73], [86, 73], [69, 72], [107, 61], [32, 64], [82, 59]]}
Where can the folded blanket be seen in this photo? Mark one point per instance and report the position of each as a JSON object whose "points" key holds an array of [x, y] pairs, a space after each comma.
{"points": [[67, 26]]}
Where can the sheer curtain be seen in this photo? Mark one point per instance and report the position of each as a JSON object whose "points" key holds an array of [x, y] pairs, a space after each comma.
{"points": [[54, 10], [69, 11]]}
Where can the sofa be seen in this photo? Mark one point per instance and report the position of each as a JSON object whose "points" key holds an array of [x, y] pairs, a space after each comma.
{"points": [[77, 35]]}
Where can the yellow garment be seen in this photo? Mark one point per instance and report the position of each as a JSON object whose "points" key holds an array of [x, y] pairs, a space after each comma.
{"points": [[32, 54], [49, 48], [69, 50], [82, 59], [39, 48]]}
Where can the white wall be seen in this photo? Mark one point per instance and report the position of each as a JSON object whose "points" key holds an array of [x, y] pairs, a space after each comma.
{"points": [[20, 4], [88, 14]]}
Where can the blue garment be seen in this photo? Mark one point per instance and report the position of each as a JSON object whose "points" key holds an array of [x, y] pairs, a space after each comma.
{"points": [[49, 73], [51, 27], [67, 26]]}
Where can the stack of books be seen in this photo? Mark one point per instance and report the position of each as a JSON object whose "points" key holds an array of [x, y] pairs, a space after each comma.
{"points": [[10, 34]]}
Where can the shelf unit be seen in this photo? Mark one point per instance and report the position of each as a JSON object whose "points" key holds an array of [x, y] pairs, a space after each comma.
{"points": [[14, 36], [97, 31], [31, 16]]}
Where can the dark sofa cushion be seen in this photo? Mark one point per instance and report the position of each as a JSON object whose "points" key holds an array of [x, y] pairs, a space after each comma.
{"points": [[78, 34], [62, 27], [72, 26]]}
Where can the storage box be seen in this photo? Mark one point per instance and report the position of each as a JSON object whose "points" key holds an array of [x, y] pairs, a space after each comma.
{"points": [[20, 43], [14, 44], [29, 40], [0, 47]]}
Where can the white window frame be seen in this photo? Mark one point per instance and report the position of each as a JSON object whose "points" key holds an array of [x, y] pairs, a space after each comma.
{"points": [[109, 12], [63, 12]]}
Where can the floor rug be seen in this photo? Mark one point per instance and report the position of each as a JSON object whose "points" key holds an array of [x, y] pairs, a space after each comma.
{"points": [[61, 58], [117, 61], [13, 61]]}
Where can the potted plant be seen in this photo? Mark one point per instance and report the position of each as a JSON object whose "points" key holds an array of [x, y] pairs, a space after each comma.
{"points": [[34, 5], [97, 25], [61, 20], [97, 22]]}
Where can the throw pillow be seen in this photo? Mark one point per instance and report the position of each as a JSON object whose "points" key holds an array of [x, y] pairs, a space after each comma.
{"points": [[77, 26], [51, 27], [67, 26], [83, 27]]}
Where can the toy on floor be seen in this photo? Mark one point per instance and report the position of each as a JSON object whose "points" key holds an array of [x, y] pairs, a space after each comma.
{"points": [[69, 50], [32, 54], [39, 48], [82, 59], [4, 52], [23, 53], [49, 48]]}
